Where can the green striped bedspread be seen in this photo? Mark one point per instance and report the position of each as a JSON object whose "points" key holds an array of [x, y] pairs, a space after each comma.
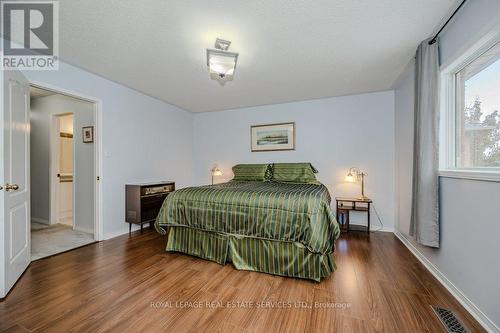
{"points": [[291, 213]]}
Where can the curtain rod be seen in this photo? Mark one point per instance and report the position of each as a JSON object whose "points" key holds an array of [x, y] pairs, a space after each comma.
{"points": [[433, 40]]}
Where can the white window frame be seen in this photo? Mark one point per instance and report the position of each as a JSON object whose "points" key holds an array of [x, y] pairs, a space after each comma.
{"points": [[447, 150]]}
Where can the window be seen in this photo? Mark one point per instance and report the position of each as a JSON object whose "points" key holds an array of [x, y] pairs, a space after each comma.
{"points": [[478, 112], [471, 122]]}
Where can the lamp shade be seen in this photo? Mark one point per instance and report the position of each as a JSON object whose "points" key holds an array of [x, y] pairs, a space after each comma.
{"points": [[216, 172], [349, 178]]}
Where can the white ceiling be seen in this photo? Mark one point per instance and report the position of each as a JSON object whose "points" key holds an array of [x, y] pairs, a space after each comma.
{"points": [[289, 50]]}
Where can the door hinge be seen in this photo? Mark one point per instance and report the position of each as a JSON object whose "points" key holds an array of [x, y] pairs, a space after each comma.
{"points": [[98, 178]]}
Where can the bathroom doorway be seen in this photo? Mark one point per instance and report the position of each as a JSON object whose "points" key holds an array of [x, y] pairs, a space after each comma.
{"points": [[62, 172]]}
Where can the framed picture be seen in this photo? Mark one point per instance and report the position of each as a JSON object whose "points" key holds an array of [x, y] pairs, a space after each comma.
{"points": [[272, 137], [88, 134]]}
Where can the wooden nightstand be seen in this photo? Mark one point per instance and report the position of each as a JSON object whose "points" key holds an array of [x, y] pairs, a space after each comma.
{"points": [[143, 202], [345, 205]]}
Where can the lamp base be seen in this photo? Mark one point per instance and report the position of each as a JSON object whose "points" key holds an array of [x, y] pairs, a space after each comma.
{"points": [[363, 197]]}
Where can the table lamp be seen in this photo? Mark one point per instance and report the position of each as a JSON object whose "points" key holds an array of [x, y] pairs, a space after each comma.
{"points": [[356, 175], [215, 173]]}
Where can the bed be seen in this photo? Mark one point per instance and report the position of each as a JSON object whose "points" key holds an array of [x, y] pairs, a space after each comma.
{"points": [[278, 228]]}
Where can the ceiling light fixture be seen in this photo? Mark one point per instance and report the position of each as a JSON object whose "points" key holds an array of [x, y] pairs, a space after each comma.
{"points": [[221, 63]]}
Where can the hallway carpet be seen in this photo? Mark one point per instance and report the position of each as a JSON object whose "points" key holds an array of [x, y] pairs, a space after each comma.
{"points": [[47, 240]]}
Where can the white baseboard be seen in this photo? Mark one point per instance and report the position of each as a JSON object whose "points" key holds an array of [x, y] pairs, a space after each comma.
{"points": [[86, 230], [121, 233], [38, 220], [469, 306], [114, 234], [384, 229], [374, 229]]}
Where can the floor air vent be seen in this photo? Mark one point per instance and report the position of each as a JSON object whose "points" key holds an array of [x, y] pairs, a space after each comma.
{"points": [[449, 320]]}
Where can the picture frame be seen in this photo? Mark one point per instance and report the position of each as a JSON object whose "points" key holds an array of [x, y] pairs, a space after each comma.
{"points": [[272, 137], [88, 134]]}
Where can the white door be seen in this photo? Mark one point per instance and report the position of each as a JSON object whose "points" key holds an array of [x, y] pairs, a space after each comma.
{"points": [[14, 179]]}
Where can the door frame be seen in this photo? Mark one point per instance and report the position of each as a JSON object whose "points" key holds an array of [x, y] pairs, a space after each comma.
{"points": [[97, 103]]}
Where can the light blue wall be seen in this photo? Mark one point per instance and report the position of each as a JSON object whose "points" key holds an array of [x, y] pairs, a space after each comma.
{"points": [[469, 253], [403, 98], [143, 138], [332, 133]]}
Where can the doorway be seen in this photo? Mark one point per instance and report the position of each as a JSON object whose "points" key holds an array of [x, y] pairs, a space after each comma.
{"points": [[16, 166], [62, 172]]}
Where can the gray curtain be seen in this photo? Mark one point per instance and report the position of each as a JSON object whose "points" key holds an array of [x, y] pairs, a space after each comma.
{"points": [[425, 201]]}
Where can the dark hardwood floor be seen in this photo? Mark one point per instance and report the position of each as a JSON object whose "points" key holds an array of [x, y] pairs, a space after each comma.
{"points": [[125, 284]]}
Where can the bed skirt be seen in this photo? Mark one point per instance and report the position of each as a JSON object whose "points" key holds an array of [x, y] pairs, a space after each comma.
{"points": [[290, 259]]}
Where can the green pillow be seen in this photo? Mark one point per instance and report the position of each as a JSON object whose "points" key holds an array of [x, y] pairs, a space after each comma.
{"points": [[295, 173], [249, 172]]}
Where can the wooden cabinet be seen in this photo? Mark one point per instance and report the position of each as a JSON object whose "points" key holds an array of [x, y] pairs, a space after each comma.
{"points": [[143, 201]]}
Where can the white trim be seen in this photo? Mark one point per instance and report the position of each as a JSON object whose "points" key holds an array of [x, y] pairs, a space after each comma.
{"points": [[98, 215], [469, 306], [476, 50], [372, 229], [110, 235], [2, 179], [75, 174], [473, 43], [38, 220], [475, 174], [53, 168], [447, 135], [447, 120], [384, 229]]}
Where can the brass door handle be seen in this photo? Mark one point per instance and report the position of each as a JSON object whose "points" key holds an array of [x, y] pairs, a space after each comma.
{"points": [[11, 187]]}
